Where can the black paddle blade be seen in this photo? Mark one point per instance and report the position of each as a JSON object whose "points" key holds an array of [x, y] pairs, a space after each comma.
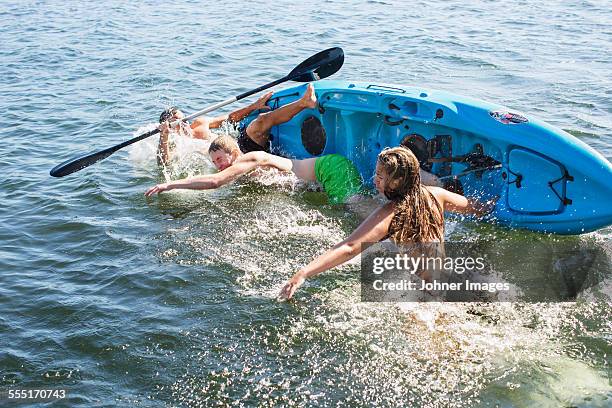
{"points": [[85, 160], [80, 162], [319, 66]]}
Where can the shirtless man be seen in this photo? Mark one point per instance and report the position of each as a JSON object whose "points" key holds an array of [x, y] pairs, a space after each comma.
{"points": [[200, 127], [337, 174]]}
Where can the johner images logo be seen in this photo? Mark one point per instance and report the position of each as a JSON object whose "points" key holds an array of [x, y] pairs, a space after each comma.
{"points": [[478, 272]]}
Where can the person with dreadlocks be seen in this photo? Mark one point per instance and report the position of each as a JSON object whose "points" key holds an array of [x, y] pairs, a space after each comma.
{"points": [[413, 214]]}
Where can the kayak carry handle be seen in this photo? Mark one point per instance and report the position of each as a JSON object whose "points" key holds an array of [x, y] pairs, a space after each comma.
{"points": [[385, 88], [389, 122]]}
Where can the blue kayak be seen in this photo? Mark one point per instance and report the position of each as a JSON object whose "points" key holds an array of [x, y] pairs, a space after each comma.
{"points": [[546, 179]]}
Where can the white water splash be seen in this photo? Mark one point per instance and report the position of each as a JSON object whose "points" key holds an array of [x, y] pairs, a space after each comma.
{"points": [[187, 157]]}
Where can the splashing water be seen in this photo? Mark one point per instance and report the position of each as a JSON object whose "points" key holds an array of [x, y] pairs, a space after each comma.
{"points": [[431, 354], [171, 301], [188, 155], [426, 354]]}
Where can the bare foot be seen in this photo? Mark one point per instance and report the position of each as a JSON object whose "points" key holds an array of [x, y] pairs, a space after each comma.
{"points": [[309, 99]]}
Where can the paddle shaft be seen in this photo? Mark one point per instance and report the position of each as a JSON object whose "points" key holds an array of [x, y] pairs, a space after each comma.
{"points": [[205, 111], [72, 165], [236, 98], [318, 66]]}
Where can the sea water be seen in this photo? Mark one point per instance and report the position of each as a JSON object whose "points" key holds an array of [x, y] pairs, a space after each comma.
{"points": [[171, 301]]}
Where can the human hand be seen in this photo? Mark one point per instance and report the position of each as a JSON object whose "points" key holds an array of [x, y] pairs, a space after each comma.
{"points": [[157, 189], [292, 285], [262, 101]]}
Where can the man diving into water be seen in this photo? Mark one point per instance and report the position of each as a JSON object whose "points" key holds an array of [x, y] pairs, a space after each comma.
{"points": [[337, 174]]}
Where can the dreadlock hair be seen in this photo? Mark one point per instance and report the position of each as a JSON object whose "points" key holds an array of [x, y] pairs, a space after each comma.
{"points": [[168, 114], [418, 217]]}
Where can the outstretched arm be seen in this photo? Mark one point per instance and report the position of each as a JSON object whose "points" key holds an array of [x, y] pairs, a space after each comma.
{"points": [[237, 115], [163, 149], [241, 166], [457, 203], [373, 229]]}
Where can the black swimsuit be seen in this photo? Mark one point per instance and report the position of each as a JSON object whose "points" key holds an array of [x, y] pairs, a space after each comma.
{"points": [[246, 144]]}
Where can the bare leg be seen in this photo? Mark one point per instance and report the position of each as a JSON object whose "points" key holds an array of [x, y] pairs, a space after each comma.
{"points": [[304, 169], [258, 129]]}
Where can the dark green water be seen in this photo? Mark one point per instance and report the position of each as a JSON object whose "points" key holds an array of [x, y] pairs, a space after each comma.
{"points": [[171, 301]]}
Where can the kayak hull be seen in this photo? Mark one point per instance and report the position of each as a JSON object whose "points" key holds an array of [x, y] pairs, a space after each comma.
{"points": [[546, 179]]}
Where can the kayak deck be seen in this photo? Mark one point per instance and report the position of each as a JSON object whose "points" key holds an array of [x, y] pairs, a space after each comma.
{"points": [[546, 179]]}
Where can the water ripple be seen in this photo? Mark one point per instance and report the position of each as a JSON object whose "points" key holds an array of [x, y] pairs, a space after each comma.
{"points": [[171, 301]]}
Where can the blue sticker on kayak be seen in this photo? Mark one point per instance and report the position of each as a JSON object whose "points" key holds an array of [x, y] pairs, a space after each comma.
{"points": [[508, 118]]}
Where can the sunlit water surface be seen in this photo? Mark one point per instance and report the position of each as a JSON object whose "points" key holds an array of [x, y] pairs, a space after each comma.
{"points": [[172, 301]]}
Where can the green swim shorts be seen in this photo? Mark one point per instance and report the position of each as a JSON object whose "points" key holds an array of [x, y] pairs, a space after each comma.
{"points": [[338, 176]]}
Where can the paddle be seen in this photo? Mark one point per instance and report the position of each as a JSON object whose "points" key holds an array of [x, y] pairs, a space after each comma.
{"points": [[318, 66]]}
